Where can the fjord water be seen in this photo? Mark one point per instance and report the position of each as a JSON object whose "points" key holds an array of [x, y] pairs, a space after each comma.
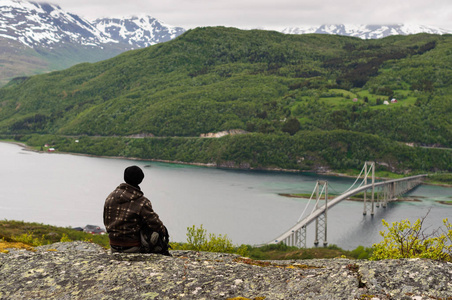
{"points": [[70, 190]]}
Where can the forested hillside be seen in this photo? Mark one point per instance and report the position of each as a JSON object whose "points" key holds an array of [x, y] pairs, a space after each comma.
{"points": [[266, 83]]}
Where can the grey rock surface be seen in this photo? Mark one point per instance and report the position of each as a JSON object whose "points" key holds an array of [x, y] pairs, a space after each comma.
{"points": [[79, 270]]}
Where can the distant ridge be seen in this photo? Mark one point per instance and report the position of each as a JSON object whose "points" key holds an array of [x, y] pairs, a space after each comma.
{"points": [[41, 24], [41, 37], [137, 31], [366, 31], [47, 25]]}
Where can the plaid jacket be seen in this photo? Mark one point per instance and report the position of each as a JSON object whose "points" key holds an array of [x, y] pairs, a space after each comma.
{"points": [[126, 211]]}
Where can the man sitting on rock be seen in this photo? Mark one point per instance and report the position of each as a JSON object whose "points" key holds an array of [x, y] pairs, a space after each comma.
{"points": [[131, 223]]}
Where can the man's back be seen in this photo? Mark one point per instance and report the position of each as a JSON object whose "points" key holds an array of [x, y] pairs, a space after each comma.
{"points": [[122, 215], [127, 212]]}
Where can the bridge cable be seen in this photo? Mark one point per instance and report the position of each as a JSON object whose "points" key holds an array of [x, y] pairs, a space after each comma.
{"points": [[357, 178], [321, 193], [364, 177], [306, 207], [317, 200], [334, 190], [339, 193]]}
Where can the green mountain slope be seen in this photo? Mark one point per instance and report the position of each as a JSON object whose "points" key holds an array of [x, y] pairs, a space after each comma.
{"points": [[18, 60], [214, 79]]}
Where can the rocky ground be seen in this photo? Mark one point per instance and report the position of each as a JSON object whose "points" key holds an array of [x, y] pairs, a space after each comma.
{"points": [[79, 270]]}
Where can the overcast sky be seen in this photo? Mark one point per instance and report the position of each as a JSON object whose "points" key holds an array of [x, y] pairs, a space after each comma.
{"points": [[269, 14]]}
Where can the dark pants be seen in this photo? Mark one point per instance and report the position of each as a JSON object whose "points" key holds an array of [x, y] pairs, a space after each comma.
{"points": [[119, 249], [151, 242]]}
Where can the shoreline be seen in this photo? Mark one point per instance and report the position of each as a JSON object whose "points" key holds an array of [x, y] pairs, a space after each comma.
{"points": [[445, 202], [208, 165]]}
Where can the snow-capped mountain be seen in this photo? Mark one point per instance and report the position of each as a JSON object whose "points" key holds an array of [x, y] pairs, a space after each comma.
{"points": [[39, 24], [47, 25], [141, 31], [41, 37], [366, 31]]}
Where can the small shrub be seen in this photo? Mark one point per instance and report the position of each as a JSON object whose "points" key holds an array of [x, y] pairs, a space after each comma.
{"points": [[29, 239], [196, 237], [65, 238], [197, 240], [361, 253], [406, 240], [333, 247]]}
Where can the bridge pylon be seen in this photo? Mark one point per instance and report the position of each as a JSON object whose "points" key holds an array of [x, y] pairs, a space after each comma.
{"points": [[321, 221], [369, 166]]}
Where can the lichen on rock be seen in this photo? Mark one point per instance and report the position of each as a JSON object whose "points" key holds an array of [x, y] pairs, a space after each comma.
{"points": [[80, 270]]}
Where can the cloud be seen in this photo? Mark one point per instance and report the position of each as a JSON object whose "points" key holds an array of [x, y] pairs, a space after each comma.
{"points": [[270, 14]]}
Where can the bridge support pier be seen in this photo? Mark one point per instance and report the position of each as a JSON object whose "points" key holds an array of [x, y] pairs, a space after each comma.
{"points": [[321, 221], [301, 237], [371, 166]]}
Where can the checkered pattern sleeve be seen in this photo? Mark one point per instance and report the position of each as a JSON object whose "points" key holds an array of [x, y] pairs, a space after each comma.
{"points": [[151, 218]]}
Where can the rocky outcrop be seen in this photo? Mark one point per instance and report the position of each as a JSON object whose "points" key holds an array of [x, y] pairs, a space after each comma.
{"points": [[222, 133], [79, 270]]}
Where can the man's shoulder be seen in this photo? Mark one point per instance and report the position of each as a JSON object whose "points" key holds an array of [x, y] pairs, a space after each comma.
{"points": [[144, 200], [127, 192]]}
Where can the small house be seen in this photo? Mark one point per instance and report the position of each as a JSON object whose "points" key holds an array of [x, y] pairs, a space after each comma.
{"points": [[355, 99], [386, 102], [393, 100], [93, 229], [51, 149]]}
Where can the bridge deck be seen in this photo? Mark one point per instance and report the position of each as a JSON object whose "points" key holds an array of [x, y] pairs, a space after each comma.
{"points": [[316, 213]]}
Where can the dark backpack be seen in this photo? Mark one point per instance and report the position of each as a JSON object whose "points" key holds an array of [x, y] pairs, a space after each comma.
{"points": [[154, 242]]}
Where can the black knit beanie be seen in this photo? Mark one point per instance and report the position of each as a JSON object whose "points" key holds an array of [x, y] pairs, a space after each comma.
{"points": [[133, 175]]}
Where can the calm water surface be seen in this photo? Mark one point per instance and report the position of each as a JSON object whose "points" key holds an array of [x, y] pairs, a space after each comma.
{"points": [[70, 190]]}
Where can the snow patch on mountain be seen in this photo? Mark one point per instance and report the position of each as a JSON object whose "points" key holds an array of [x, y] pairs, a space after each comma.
{"points": [[42, 24], [47, 25], [366, 31], [138, 31]]}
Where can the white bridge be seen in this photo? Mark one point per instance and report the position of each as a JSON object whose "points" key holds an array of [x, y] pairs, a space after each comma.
{"points": [[380, 194]]}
